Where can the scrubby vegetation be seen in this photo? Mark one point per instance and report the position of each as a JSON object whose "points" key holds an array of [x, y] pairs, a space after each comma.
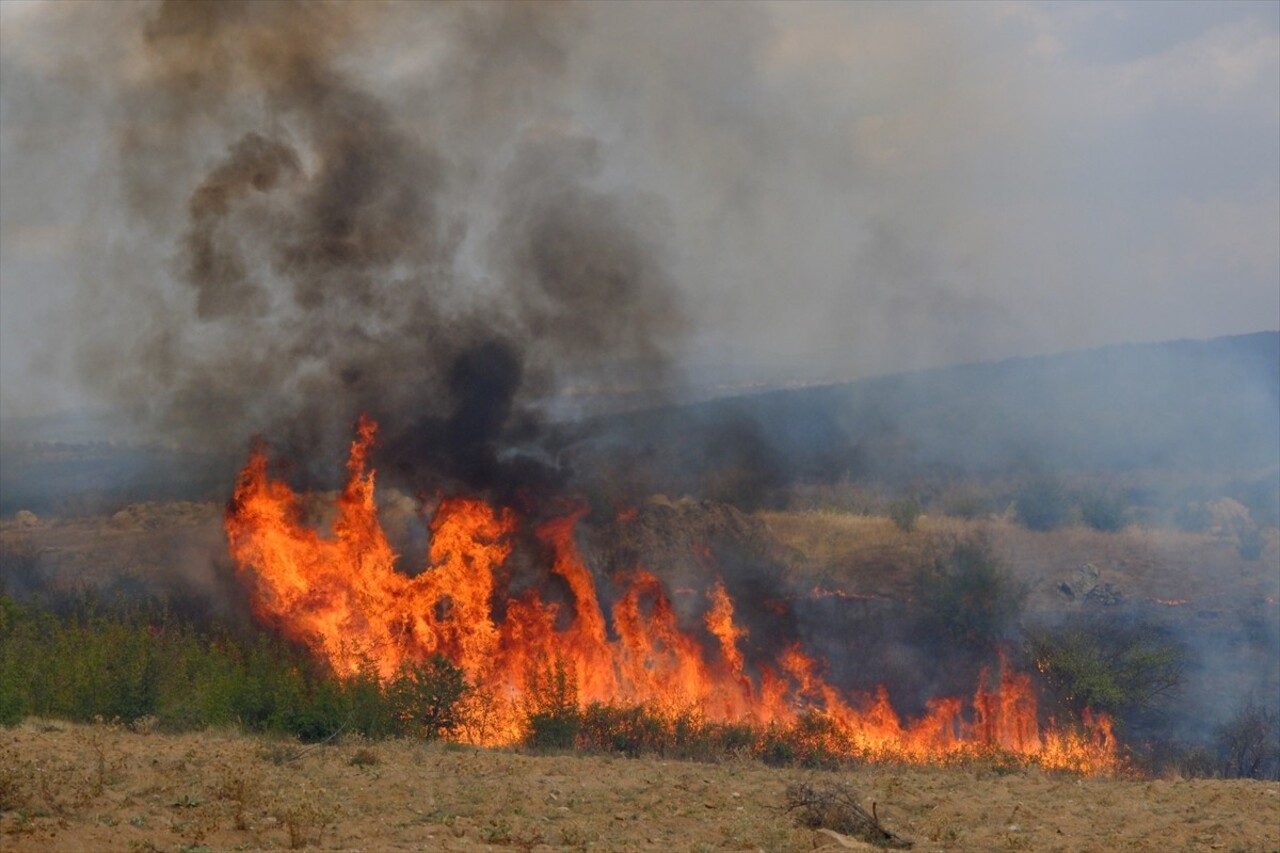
{"points": [[1107, 665], [971, 597], [132, 663], [142, 667]]}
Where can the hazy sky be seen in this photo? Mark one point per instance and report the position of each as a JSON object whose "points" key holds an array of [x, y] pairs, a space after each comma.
{"points": [[840, 189]]}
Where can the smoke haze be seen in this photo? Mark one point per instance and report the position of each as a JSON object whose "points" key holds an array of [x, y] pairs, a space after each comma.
{"points": [[253, 215]]}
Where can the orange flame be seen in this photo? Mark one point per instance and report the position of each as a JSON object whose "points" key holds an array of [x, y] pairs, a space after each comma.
{"points": [[343, 598]]}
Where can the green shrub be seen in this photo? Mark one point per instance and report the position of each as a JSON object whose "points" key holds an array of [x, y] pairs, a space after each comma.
{"points": [[133, 662], [631, 730], [970, 596], [551, 706], [427, 696], [553, 731], [1105, 665]]}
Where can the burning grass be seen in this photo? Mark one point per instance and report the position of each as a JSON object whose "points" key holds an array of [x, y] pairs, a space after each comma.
{"points": [[540, 667]]}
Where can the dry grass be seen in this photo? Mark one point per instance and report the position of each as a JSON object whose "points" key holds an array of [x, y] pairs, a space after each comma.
{"points": [[869, 555], [80, 788]]}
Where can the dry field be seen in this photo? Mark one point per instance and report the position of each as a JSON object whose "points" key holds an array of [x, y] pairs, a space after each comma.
{"points": [[82, 788], [1197, 571]]}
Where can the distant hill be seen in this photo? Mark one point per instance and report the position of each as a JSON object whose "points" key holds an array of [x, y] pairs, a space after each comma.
{"points": [[1196, 407], [1208, 409]]}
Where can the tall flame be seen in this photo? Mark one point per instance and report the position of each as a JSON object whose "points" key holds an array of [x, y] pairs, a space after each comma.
{"points": [[343, 598]]}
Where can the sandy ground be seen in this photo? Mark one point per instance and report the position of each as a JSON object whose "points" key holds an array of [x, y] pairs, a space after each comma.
{"points": [[91, 788]]}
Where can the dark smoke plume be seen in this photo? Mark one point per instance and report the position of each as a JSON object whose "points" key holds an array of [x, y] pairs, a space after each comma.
{"points": [[337, 257]]}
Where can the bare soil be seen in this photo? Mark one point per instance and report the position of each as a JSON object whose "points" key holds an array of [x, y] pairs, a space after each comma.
{"points": [[81, 788]]}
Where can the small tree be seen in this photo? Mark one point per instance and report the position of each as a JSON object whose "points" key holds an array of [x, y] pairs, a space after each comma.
{"points": [[971, 595], [1106, 665], [1249, 742], [427, 696]]}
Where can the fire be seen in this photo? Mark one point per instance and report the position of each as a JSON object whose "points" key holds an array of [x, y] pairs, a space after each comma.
{"points": [[342, 596]]}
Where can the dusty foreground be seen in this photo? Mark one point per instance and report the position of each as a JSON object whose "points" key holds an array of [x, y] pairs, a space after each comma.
{"points": [[66, 787]]}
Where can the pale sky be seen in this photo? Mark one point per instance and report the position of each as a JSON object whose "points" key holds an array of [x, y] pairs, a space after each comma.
{"points": [[841, 190]]}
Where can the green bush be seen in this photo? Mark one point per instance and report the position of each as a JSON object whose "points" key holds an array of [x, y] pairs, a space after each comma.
{"points": [[551, 705], [130, 662], [427, 696], [1105, 665], [631, 730], [970, 596]]}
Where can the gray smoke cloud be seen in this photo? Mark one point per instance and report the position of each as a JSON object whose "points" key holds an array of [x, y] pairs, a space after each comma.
{"points": [[339, 254], [212, 198]]}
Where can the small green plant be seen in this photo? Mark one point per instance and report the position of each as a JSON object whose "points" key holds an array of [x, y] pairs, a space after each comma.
{"points": [[497, 831]]}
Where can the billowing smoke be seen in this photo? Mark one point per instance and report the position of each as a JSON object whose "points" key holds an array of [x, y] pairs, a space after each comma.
{"points": [[335, 257]]}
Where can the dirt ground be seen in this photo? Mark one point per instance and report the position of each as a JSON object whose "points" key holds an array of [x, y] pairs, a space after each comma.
{"points": [[90, 788]]}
